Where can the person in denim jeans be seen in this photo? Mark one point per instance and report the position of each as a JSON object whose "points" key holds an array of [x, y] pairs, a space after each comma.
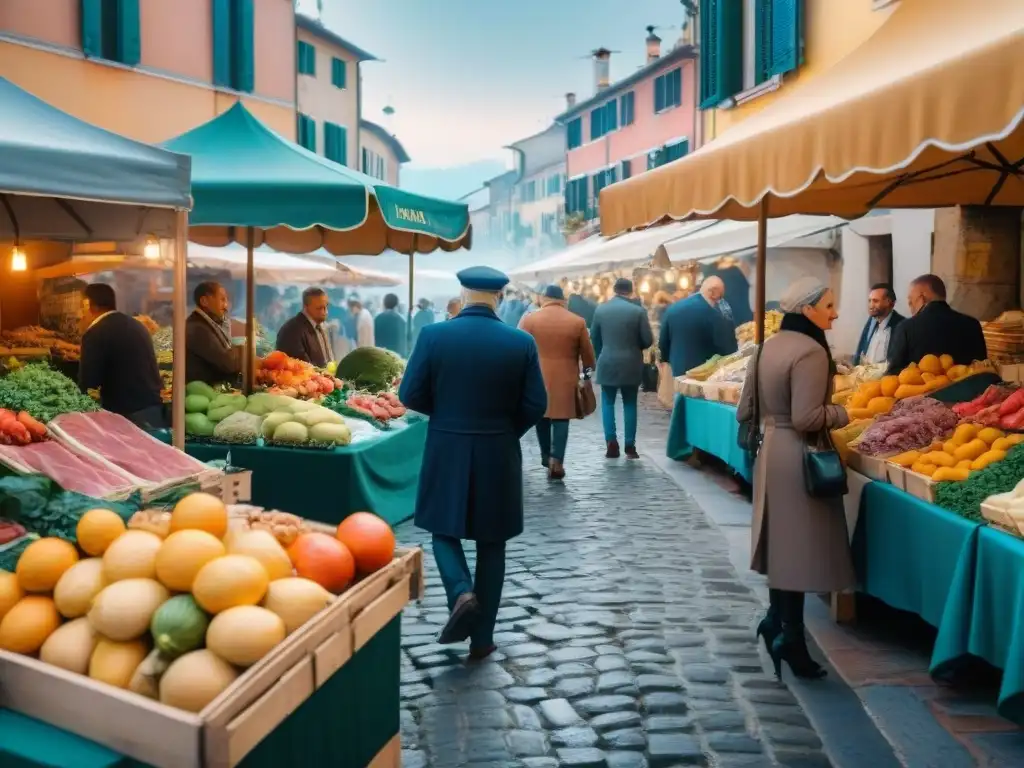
{"points": [[621, 332]]}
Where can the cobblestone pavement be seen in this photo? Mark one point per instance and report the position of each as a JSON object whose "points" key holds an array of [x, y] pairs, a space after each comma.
{"points": [[625, 639]]}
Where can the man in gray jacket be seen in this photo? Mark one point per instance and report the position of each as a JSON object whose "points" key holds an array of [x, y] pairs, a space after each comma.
{"points": [[621, 332]]}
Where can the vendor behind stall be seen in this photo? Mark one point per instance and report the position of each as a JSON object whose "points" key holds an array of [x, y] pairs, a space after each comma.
{"points": [[119, 360], [209, 356], [305, 336]]}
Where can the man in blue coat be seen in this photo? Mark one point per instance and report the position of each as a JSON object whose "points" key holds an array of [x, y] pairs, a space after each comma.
{"points": [[479, 381], [694, 330]]}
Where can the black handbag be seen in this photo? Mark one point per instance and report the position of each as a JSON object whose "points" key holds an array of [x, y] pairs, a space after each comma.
{"points": [[649, 378], [824, 473], [749, 435]]}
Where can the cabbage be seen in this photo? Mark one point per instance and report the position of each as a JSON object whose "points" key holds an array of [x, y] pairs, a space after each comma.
{"points": [[371, 368], [239, 427]]}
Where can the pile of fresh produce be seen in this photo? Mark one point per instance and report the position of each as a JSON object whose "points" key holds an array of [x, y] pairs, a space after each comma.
{"points": [[177, 617], [1000, 405], [371, 369], [913, 423], [842, 437], [377, 409], [965, 498], [970, 449], [705, 369], [302, 423], [283, 375], [873, 398], [34, 336], [42, 392], [148, 323], [20, 428], [1011, 507], [772, 324]]}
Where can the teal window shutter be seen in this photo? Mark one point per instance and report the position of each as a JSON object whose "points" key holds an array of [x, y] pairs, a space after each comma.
{"points": [[786, 34], [627, 169], [611, 115], [596, 123], [338, 73], [762, 40], [306, 58], [129, 40], [574, 133], [243, 53], [329, 140], [721, 51], [306, 132], [92, 28], [341, 149], [222, 43]]}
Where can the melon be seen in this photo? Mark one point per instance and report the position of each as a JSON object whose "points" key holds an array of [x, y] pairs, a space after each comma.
{"points": [[179, 626], [97, 529], [245, 634], [229, 581], [71, 646], [123, 610], [146, 677], [263, 546], [10, 592], [183, 554], [78, 586], [131, 556], [195, 679], [43, 563], [28, 624], [296, 601], [200, 511], [114, 662]]}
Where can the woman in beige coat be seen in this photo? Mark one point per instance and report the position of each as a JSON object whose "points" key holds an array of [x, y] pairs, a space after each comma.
{"points": [[798, 541], [563, 344]]}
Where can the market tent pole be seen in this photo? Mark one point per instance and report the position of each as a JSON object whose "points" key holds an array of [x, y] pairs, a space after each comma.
{"points": [[249, 367], [178, 338], [762, 261], [408, 322]]}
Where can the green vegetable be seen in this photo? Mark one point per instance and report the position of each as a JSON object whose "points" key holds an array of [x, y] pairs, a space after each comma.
{"points": [[196, 404], [200, 388], [371, 368], [222, 412], [291, 432], [239, 427], [965, 497], [179, 626], [238, 401], [199, 424], [339, 434], [43, 392], [318, 415], [272, 422]]}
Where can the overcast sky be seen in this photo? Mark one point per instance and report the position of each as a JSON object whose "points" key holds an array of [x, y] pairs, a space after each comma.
{"points": [[466, 77]]}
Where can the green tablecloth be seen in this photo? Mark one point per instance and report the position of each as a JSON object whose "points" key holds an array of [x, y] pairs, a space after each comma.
{"points": [[343, 725], [709, 427], [379, 475], [908, 551]]}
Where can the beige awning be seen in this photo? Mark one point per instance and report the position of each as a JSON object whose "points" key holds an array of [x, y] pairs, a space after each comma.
{"points": [[926, 113]]}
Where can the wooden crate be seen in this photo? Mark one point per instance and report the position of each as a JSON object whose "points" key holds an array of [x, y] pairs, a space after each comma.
{"points": [[897, 475], [870, 466], [253, 706], [920, 486]]}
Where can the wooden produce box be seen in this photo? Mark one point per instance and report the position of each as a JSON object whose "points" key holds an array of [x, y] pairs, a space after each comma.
{"points": [[919, 486], [870, 466], [251, 708], [896, 475]]}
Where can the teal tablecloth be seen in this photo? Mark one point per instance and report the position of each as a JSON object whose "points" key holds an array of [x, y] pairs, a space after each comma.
{"points": [[343, 725], [908, 552], [379, 475], [709, 427]]}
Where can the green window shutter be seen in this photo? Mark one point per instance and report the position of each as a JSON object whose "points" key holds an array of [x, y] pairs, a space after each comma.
{"points": [[243, 53], [338, 73], [329, 139], [627, 169], [222, 43], [342, 144], [677, 87], [92, 28], [721, 51], [306, 132], [611, 114], [786, 27], [306, 58], [762, 40], [129, 41]]}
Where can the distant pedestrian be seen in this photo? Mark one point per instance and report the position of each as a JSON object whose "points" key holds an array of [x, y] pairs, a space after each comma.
{"points": [[565, 350], [362, 323], [389, 328], [453, 308], [424, 316], [480, 383], [621, 333]]}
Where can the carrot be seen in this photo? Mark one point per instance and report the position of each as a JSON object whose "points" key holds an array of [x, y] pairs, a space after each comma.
{"points": [[35, 428]]}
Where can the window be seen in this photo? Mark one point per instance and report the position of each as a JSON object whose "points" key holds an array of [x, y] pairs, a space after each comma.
{"points": [[374, 165], [306, 131], [668, 90], [576, 192], [554, 185], [627, 169], [338, 73], [677, 150], [233, 46], [604, 119], [528, 191], [336, 143], [597, 123], [574, 133], [744, 44], [305, 58], [627, 107], [603, 179], [110, 30]]}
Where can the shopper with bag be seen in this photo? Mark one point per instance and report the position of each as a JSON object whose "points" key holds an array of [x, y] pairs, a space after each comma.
{"points": [[798, 533], [566, 357]]}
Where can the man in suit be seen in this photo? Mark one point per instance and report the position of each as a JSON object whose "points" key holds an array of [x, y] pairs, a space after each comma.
{"points": [[480, 382], [582, 306], [389, 328], [694, 329], [935, 329], [305, 336], [424, 316], [209, 355], [621, 332], [119, 360], [873, 346]]}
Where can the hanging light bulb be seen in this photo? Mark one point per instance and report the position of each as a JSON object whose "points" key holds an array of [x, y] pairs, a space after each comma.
{"points": [[18, 261], [684, 282], [670, 276], [151, 250], [645, 286]]}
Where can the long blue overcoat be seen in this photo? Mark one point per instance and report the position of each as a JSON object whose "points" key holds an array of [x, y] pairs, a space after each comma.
{"points": [[692, 331], [480, 383]]}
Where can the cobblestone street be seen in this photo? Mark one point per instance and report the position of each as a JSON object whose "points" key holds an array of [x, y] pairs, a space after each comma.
{"points": [[625, 639]]}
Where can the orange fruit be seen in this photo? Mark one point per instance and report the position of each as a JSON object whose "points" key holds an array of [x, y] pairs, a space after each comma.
{"points": [[200, 511], [370, 540], [27, 625], [323, 559], [97, 530], [43, 563], [182, 555], [10, 592]]}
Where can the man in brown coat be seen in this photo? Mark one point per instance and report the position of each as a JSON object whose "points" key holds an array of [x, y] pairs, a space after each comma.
{"points": [[563, 344]]}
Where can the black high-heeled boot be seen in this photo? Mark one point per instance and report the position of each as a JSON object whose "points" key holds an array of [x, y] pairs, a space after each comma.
{"points": [[771, 625], [790, 645]]}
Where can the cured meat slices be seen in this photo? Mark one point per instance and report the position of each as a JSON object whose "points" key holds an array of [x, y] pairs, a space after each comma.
{"points": [[71, 471], [115, 440]]}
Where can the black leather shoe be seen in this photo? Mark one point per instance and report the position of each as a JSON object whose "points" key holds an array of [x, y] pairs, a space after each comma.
{"points": [[462, 620], [767, 630], [790, 646]]}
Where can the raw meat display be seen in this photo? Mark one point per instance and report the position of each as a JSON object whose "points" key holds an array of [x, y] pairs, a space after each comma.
{"points": [[912, 423], [995, 395], [71, 471], [117, 441]]}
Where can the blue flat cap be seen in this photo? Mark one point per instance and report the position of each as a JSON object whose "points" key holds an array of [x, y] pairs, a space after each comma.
{"points": [[482, 279], [554, 292]]}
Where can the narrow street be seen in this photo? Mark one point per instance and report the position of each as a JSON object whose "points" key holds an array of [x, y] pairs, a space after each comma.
{"points": [[626, 637]]}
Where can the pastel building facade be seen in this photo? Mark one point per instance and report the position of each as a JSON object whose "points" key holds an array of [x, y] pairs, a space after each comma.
{"points": [[538, 203], [381, 154]]}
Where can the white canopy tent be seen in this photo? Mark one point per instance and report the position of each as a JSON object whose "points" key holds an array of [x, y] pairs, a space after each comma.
{"points": [[735, 238], [275, 267]]}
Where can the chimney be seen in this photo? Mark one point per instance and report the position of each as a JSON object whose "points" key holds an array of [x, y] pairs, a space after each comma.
{"points": [[601, 68], [653, 46], [570, 100]]}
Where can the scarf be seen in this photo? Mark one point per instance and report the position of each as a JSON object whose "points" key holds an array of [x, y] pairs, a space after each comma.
{"points": [[792, 321]]}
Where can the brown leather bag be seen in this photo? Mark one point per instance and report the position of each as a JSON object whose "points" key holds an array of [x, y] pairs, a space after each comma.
{"points": [[586, 401]]}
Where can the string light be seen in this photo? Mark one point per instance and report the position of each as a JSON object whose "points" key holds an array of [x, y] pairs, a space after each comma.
{"points": [[645, 286], [670, 276], [684, 282], [18, 261], [151, 250]]}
